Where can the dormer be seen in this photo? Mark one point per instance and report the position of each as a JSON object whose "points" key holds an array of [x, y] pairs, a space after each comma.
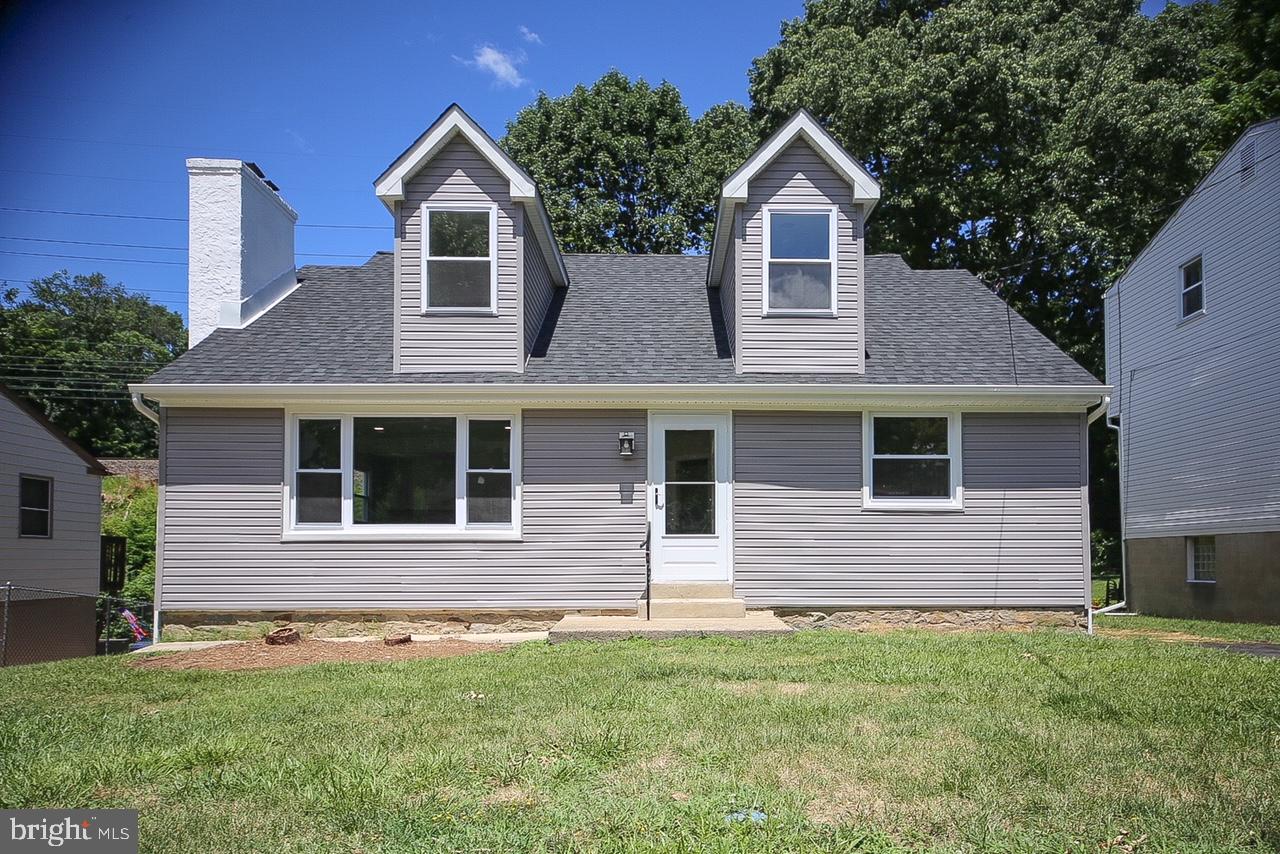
{"points": [[788, 254], [476, 263]]}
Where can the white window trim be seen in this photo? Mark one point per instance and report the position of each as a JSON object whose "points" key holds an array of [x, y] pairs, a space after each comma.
{"points": [[1191, 560], [833, 224], [954, 503], [1182, 289], [48, 511], [460, 530], [425, 218]]}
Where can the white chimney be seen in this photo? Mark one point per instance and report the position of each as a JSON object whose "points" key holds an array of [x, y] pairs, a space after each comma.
{"points": [[239, 246]]}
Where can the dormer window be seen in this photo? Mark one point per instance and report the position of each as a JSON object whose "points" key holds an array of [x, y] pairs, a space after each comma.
{"points": [[800, 261], [459, 259]]}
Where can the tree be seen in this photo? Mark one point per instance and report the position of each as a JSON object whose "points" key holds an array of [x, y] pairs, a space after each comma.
{"points": [[71, 347], [623, 168], [1245, 63]]}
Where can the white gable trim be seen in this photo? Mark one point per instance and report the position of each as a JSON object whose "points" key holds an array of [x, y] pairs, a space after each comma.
{"points": [[455, 122], [866, 190]]}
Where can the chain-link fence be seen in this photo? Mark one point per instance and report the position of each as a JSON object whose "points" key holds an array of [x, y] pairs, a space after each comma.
{"points": [[47, 625]]}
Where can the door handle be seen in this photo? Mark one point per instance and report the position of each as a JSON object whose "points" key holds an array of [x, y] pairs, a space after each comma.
{"points": [[656, 501]]}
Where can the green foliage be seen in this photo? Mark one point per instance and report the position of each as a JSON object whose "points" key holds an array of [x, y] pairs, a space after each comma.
{"points": [[73, 344], [1036, 142], [1245, 62], [623, 168], [129, 510]]}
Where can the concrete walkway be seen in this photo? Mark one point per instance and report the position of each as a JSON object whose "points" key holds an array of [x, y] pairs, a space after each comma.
{"points": [[480, 637], [754, 624]]}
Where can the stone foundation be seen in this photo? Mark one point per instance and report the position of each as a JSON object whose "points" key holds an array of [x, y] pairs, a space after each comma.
{"points": [[242, 625], [957, 619]]}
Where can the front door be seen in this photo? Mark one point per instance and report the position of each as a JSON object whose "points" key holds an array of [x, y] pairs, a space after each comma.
{"points": [[689, 496]]}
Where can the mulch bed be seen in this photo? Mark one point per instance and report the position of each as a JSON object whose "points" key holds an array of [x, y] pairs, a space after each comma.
{"points": [[256, 655]]}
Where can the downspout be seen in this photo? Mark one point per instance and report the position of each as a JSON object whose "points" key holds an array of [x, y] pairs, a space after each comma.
{"points": [[1124, 546], [147, 412], [1088, 590]]}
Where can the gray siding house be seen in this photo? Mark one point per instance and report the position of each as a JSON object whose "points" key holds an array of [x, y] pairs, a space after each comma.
{"points": [[1193, 352], [477, 422], [50, 533]]}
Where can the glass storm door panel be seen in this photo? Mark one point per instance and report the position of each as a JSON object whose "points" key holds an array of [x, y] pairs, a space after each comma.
{"points": [[689, 497]]}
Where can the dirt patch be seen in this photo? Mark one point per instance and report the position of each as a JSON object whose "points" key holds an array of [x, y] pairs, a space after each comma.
{"points": [[256, 655], [509, 796], [1153, 634], [756, 688]]}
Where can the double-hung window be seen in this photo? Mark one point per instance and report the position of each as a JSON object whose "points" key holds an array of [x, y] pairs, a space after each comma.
{"points": [[35, 506], [404, 475], [460, 259], [800, 261], [1193, 287], [912, 461]]}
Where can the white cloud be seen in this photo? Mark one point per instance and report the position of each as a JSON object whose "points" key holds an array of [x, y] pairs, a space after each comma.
{"points": [[529, 35], [501, 65]]}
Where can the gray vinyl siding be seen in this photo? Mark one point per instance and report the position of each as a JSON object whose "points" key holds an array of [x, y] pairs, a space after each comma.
{"points": [[729, 285], [1199, 400], [453, 342], [583, 526], [538, 287], [802, 538], [799, 176], [69, 559]]}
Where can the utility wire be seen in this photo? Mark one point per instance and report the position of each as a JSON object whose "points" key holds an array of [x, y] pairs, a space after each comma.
{"points": [[165, 248], [105, 215]]}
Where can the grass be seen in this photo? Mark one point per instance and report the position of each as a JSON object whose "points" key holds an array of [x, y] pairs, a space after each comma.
{"points": [[1200, 628], [1040, 742]]}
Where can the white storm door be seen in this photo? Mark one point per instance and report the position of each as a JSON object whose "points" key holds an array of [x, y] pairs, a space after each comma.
{"points": [[689, 496]]}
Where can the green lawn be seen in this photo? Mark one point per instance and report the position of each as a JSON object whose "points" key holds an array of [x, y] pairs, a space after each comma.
{"points": [[1200, 628], [1045, 742]]}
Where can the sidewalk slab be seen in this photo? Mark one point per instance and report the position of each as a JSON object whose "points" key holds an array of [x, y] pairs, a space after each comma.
{"points": [[754, 624]]}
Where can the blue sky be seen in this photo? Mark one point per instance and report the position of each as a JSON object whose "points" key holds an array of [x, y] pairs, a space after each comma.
{"points": [[103, 102]]}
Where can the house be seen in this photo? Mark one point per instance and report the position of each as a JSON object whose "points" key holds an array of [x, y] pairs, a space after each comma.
{"points": [[50, 524], [476, 421], [1193, 352]]}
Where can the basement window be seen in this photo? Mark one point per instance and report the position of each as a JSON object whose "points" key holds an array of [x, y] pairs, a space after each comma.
{"points": [[1202, 560], [800, 261], [459, 259]]}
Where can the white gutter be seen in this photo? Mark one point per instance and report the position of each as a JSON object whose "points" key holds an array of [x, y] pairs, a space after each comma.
{"points": [[147, 412], [841, 395], [1101, 410]]}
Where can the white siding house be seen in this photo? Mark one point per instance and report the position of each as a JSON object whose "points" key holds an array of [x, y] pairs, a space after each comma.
{"points": [[1193, 354]]}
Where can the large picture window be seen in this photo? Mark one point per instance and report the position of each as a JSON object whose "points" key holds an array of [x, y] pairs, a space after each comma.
{"points": [[800, 268], [459, 259], [912, 461], [401, 475]]}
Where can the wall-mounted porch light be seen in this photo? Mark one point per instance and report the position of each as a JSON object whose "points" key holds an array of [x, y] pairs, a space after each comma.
{"points": [[626, 444]]}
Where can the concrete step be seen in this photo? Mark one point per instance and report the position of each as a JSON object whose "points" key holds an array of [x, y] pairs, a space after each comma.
{"points": [[755, 624], [695, 609], [691, 590]]}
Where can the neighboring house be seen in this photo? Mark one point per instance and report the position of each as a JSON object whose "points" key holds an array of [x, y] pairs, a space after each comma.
{"points": [[50, 528], [478, 422], [1193, 352]]}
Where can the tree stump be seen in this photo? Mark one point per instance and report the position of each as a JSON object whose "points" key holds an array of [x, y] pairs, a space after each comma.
{"points": [[279, 637], [396, 640]]}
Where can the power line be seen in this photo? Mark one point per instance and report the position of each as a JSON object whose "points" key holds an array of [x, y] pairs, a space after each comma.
{"points": [[105, 215], [92, 258], [165, 248]]}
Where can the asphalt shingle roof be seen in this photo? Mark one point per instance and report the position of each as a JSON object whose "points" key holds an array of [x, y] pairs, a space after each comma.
{"points": [[636, 319]]}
